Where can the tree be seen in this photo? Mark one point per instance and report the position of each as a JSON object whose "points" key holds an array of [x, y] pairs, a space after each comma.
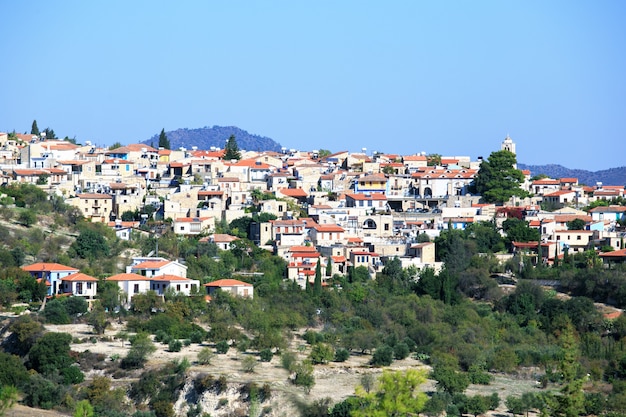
{"points": [[450, 380], [49, 133], [497, 179], [34, 130], [141, 347], [27, 217], [231, 149], [164, 142], [8, 397], [397, 395], [317, 284], [51, 353], [321, 353], [83, 409], [304, 376], [572, 400], [576, 224], [97, 318], [91, 245], [433, 159]]}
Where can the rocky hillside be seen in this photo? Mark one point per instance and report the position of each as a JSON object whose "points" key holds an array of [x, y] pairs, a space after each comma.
{"points": [[207, 137], [611, 176]]}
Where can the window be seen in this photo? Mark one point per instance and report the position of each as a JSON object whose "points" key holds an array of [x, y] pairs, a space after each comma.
{"points": [[136, 288], [386, 226], [578, 237]]}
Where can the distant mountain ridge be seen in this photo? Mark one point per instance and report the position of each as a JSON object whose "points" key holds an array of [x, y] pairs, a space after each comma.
{"points": [[611, 176], [206, 137]]}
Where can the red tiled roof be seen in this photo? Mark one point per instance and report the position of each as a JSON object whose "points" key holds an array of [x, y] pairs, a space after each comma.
{"points": [[293, 192], [151, 265], [169, 277], [127, 277], [47, 266], [79, 277]]}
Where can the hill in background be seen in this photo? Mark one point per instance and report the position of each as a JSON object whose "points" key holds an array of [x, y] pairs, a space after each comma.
{"points": [[206, 137], [611, 176]]}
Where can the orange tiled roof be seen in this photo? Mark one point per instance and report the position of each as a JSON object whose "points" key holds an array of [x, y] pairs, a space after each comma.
{"points": [[227, 283], [78, 277], [47, 266]]}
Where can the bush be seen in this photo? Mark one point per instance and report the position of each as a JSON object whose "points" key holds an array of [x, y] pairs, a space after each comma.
{"points": [[175, 345], [401, 351], [288, 360], [321, 353], [222, 347], [197, 336], [383, 356], [249, 363], [266, 355], [341, 355], [312, 337], [205, 356]]}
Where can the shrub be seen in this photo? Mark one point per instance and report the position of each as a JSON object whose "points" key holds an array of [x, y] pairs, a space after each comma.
{"points": [[205, 356], [197, 336], [341, 355], [249, 363], [321, 353], [383, 356], [266, 355], [288, 360], [401, 351], [222, 347], [175, 345], [312, 337]]}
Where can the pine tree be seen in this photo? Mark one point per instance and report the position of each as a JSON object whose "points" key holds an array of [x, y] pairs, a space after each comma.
{"points": [[232, 149], [164, 142], [329, 267], [35, 130]]}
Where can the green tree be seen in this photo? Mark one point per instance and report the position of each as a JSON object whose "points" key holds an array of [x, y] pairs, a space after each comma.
{"points": [[571, 400], [164, 142], [321, 353], [27, 217], [576, 224], [97, 318], [49, 133], [497, 179], [141, 347], [231, 151], [83, 409], [304, 376], [91, 244], [8, 397], [34, 130], [397, 395], [433, 159], [51, 353], [449, 379]]}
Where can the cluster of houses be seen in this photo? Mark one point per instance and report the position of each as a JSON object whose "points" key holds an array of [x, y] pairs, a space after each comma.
{"points": [[344, 209]]}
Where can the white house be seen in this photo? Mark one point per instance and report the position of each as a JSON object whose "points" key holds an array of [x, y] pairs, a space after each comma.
{"points": [[233, 286], [79, 284]]}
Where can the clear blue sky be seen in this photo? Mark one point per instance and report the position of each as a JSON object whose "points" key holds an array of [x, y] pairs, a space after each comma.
{"points": [[448, 77]]}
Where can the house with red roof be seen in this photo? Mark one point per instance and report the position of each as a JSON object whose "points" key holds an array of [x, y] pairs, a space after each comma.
{"points": [[560, 198], [233, 286], [327, 234], [155, 266], [161, 284], [80, 285], [131, 284], [51, 272]]}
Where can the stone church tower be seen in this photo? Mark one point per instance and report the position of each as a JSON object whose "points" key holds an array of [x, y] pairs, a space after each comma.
{"points": [[508, 145]]}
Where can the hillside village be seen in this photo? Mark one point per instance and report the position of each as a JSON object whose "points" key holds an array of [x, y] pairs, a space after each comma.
{"points": [[379, 263], [341, 209]]}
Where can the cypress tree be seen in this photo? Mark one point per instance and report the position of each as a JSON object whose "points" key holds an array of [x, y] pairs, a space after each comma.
{"points": [[164, 142], [34, 130]]}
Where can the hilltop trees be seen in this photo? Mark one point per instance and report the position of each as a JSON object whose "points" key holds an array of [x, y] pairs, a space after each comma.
{"points": [[497, 179]]}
